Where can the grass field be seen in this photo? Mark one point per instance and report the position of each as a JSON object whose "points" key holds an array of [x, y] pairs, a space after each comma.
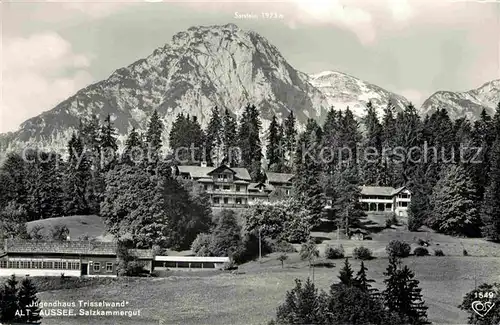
{"points": [[252, 295]]}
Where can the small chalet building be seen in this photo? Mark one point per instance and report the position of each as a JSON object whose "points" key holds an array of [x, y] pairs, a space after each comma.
{"points": [[73, 258], [357, 234], [386, 199], [280, 182]]}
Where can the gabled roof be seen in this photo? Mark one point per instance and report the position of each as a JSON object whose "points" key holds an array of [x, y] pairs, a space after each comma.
{"points": [[204, 172], [398, 190], [279, 177], [142, 254], [257, 186], [377, 190], [55, 247]]}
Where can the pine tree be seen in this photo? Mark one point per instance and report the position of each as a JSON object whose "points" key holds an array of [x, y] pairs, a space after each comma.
{"points": [[346, 274], [153, 143], [490, 210], [230, 138], [249, 141], [349, 138], [372, 163], [215, 139], [420, 206], [27, 298], [482, 138], [108, 143], [290, 135], [77, 177], [133, 147], [307, 186], [273, 145], [362, 281], [10, 304], [302, 305], [454, 203], [13, 178], [347, 204], [388, 143], [402, 294]]}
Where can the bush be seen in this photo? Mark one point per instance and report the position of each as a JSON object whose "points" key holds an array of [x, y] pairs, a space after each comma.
{"points": [[362, 253], [280, 246], [391, 220], [438, 252], [421, 251], [398, 248], [465, 252], [334, 252], [201, 244]]}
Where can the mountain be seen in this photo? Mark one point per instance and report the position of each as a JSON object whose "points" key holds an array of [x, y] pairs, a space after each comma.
{"points": [[465, 104], [342, 90], [201, 67]]}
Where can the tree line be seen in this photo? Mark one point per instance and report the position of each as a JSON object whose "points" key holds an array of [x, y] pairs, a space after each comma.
{"points": [[457, 194]]}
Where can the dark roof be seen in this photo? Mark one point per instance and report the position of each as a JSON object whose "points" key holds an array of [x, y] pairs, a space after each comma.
{"points": [[398, 190], [203, 172], [278, 177], [358, 230], [56, 247], [142, 254], [257, 186]]}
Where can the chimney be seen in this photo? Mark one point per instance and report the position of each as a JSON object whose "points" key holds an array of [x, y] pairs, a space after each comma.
{"points": [[203, 164]]}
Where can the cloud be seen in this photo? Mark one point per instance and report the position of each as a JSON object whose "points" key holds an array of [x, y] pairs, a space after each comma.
{"points": [[37, 73]]}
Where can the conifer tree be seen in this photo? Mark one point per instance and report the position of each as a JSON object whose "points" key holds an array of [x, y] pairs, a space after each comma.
{"points": [[402, 294], [330, 141], [347, 204], [215, 139], [249, 142], [482, 138], [77, 178], [372, 148], [303, 305], [10, 304], [454, 204], [490, 210], [273, 145], [133, 147], [388, 130], [307, 186], [290, 139], [346, 274], [14, 181], [153, 143], [108, 143], [27, 303], [230, 137], [362, 280]]}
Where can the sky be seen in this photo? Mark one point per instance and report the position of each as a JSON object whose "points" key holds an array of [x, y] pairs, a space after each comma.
{"points": [[51, 49]]}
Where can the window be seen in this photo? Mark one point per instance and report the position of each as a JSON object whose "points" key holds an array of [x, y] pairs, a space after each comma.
{"points": [[97, 267], [216, 187], [57, 265], [226, 187], [3, 264], [238, 200], [47, 265], [238, 188], [37, 265], [216, 200], [226, 200], [109, 267], [205, 187], [404, 204], [74, 265]]}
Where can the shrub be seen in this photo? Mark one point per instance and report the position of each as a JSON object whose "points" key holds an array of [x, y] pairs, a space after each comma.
{"points": [[334, 252], [438, 252], [282, 258], [280, 246], [201, 244], [362, 253], [398, 248], [465, 252], [421, 251], [391, 220]]}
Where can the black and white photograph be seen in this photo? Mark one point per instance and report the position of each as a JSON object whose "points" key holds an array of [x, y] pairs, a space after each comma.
{"points": [[289, 162]]}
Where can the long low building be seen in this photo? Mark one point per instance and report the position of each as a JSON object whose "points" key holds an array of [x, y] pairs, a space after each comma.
{"points": [[71, 258], [190, 262]]}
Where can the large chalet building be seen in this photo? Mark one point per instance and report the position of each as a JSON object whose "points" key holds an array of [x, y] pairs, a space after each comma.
{"points": [[232, 187]]}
